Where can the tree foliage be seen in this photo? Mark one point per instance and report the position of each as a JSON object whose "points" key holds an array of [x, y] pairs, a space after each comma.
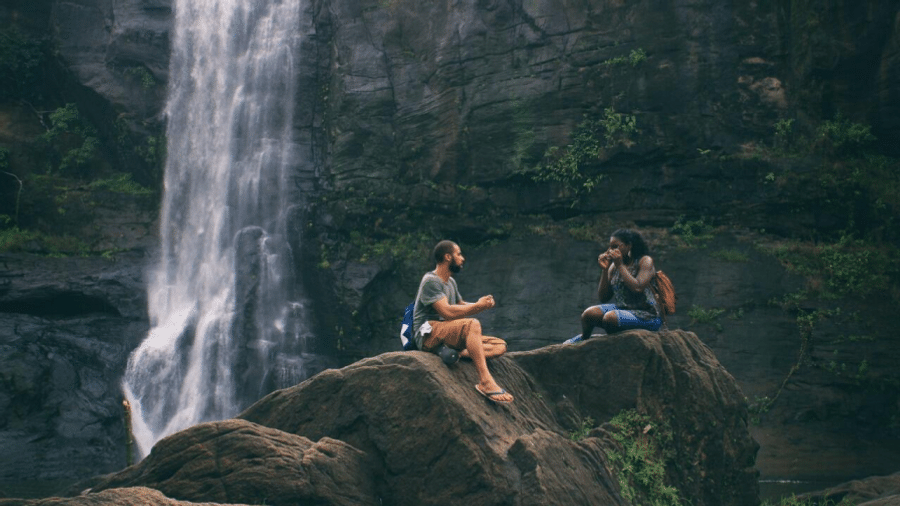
{"points": [[20, 61]]}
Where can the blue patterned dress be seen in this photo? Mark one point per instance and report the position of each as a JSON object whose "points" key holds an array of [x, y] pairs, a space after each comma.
{"points": [[635, 310]]}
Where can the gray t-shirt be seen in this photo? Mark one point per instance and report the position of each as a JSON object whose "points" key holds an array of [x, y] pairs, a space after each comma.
{"points": [[432, 289]]}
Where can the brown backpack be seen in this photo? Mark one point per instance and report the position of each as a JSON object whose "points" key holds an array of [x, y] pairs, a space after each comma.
{"points": [[664, 291]]}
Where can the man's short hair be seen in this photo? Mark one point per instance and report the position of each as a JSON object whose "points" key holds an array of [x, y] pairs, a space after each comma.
{"points": [[444, 247]]}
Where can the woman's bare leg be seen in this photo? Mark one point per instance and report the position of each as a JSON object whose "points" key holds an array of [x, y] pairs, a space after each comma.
{"points": [[610, 321], [590, 318]]}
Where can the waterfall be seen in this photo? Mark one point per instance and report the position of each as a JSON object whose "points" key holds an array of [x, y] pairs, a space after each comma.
{"points": [[226, 326]]}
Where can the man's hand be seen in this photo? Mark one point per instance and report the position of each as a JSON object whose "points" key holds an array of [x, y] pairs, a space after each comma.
{"points": [[486, 302]]}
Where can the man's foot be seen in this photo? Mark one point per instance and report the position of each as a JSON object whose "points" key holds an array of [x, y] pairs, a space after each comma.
{"points": [[495, 394], [573, 340]]}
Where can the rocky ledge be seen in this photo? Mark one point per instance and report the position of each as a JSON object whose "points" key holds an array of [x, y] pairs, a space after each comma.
{"points": [[873, 491], [403, 428]]}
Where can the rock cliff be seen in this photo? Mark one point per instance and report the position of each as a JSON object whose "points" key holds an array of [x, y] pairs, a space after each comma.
{"points": [[402, 428], [66, 330], [420, 121]]}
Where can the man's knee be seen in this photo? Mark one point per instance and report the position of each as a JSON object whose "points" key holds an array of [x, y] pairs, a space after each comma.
{"points": [[472, 327]]}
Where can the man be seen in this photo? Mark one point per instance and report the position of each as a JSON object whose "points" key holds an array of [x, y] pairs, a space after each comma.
{"points": [[441, 316]]}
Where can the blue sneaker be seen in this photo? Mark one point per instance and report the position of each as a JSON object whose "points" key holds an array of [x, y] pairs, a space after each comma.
{"points": [[573, 340]]}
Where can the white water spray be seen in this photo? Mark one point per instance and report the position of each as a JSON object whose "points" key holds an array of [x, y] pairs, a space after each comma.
{"points": [[224, 330]]}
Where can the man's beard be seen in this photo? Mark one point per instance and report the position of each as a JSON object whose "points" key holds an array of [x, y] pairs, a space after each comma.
{"points": [[455, 267]]}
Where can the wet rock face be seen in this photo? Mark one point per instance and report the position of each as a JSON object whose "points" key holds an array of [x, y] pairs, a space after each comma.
{"points": [[66, 330], [118, 49], [397, 425], [475, 91]]}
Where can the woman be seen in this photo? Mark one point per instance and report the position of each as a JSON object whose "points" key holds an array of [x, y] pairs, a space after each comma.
{"points": [[626, 272]]}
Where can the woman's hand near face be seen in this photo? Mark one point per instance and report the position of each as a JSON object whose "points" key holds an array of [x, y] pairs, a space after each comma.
{"points": [[603, 260], [616, 256]]}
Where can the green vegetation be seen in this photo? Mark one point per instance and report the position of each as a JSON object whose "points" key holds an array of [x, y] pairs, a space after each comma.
{"points": [[71, 140], [846, 268], [15, 240], [784, 134], [53, 181], [700, 315], [840, 136], [583, 430], [576, 166], [20, 60], [647, 450], [406, 247], [523, 129], [692, 233], [70, 201], [634, 58], [142, 75], [737, 314], [150, 147], [797, 501], [832, 169], [377, 230], [120, 183]]}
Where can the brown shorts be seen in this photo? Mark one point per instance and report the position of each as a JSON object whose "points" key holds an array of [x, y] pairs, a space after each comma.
{"points": [[453, 333]]}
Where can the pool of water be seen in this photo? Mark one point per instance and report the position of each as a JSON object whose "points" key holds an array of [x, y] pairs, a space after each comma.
{"points": [[34, 489]]}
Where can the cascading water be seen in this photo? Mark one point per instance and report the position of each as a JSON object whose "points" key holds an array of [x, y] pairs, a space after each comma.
{"points": [[226, 327]]}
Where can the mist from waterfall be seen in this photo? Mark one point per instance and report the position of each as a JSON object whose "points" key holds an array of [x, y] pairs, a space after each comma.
{"points": [[226, 326]]}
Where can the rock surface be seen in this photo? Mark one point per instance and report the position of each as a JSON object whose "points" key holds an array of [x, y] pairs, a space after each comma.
{"points": [[66, 330], [133, 496], [235, 461], [402, 428], [874, 491], [109, 45]]}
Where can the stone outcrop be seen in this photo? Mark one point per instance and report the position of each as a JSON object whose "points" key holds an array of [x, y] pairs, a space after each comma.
{"points": [[110, 46], [133, 496], [402, 428], [874, 491], [240, 462], [67, 326]]}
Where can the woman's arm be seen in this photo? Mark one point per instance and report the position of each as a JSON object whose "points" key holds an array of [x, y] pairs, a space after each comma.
{"points": [[604, 290], [646, 270]]}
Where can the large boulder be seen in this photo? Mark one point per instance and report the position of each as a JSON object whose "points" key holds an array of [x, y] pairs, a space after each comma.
{"points": [[873, 491], [134, 496], [238, 461], [403, 428]]}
